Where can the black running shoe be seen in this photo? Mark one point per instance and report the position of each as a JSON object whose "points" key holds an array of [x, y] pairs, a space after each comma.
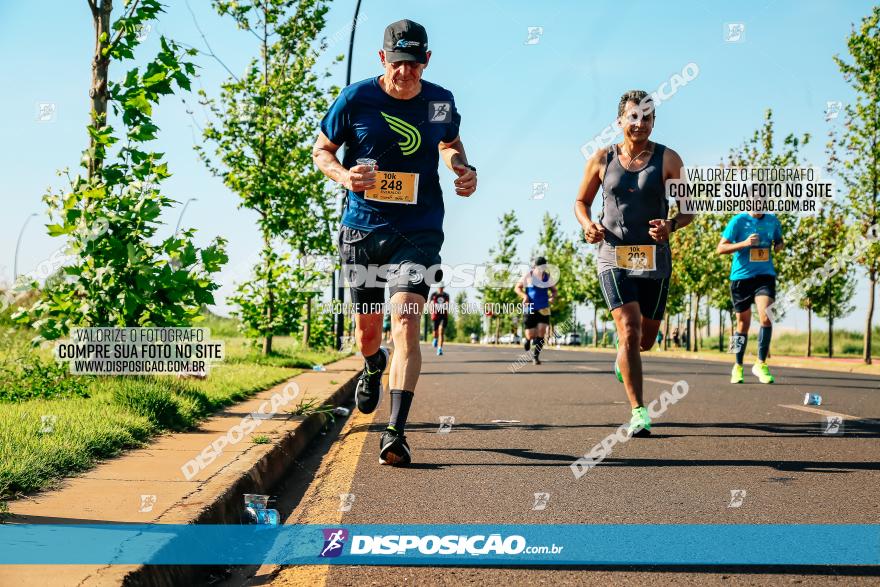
{"points": [[527, 344], [393, 449], [536, 361], [369, 386]]}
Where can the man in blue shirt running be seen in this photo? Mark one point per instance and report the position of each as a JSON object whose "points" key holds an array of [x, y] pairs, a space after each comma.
{"points": [[538, 295], [396, 127], [752, 239]]}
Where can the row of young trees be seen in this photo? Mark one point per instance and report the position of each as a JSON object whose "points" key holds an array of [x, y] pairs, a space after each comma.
{"points": [[258, 140], [700, 276]]}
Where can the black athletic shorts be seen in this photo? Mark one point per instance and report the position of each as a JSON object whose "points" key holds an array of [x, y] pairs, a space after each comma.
{"points": [[532, 320], [744, 291], [618, 288], [440, 320], [405, 258]]}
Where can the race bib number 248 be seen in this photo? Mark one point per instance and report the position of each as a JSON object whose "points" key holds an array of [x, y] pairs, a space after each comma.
{"points": [[395, 187]]}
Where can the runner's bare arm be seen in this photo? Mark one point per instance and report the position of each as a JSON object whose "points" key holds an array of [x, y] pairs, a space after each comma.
{"points": [[725, 247], [661, 228], [456, 159], [593, 172], [520, 289], [357, 179]]}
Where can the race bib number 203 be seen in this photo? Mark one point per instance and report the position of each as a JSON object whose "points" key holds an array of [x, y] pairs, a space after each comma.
{"points": [[636, 257]]}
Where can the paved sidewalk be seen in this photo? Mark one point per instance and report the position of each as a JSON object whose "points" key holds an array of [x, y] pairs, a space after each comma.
{"points": [[147, 485]]}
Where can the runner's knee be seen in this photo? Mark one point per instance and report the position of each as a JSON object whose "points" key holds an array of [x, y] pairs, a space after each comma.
{"points": [[630, 335]]}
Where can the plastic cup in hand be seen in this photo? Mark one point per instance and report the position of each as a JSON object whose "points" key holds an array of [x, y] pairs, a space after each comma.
{"points": [[367, 161]]}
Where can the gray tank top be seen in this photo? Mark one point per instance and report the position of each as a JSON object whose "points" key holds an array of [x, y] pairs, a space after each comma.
{"points": [[629, 200]]}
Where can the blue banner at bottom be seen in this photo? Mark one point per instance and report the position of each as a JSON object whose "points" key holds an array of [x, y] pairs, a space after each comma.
{"points": [[381, 544]]}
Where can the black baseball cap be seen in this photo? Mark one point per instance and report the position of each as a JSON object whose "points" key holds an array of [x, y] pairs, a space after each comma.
{"points": [[406, 40], [539, 261]]}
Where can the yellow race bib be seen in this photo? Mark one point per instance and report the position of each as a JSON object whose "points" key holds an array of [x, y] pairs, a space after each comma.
{"points": [[394, 186], [636, 257], [759, 255], [544, 311]]}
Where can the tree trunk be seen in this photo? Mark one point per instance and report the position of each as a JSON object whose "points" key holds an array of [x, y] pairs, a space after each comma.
{"points": [[687, 330], [869, 317], [697, 323], [830, 335], [720, 330], [307, 330], [809, 330], [596, 326], [100, 66], [270, 297], [666, 335]]}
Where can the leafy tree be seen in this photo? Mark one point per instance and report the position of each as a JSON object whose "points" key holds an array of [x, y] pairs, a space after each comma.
{"points": [[859, 163], [119, 275], [467, 322], [585, 281], [500, 278], [563, 252], [263, 129]]}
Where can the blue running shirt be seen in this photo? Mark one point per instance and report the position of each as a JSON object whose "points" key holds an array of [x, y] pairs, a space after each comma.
{"points": [[739, 228], [401, 135]]}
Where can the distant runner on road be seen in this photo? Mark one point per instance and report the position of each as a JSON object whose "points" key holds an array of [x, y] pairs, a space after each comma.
{"points": [[537, 296], [752, 239], [439, 316]]}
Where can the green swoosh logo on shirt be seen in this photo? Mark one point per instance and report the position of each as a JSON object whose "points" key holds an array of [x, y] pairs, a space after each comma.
{"points": [[412, 140]]}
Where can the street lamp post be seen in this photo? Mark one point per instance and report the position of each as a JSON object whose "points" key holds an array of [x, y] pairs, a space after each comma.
{"points": [[179, 218], [338, 282], [17, 245]]}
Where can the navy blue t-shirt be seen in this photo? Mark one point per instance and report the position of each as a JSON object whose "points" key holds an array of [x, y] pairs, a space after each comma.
{"points": [[401, 135]]}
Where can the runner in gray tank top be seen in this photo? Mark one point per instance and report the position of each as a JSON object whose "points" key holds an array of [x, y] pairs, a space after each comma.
{"points": [[632, 231]]}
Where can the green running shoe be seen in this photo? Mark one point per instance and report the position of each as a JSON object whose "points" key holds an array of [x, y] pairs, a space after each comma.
{"points": [[617, 372], [762, 372], [640, 424], [736, 376]]}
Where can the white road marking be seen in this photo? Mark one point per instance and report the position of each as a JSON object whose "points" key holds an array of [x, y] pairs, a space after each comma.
{"points": [[663, 381], [818, 411], [586, 368]]}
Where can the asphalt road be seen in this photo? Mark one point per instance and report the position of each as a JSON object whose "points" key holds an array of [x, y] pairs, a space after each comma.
{"points": [[719, 438]]}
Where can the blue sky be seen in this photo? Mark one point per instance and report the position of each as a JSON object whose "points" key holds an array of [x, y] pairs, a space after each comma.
{"points": [[526, 108]]}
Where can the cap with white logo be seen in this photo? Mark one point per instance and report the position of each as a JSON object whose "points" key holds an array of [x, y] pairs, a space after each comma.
{"points": [[405, 40]]}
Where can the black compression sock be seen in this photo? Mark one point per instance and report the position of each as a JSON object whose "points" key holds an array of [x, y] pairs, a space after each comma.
{"points": [[740, 354], [400, 402], [537, 345], [764, 336]]}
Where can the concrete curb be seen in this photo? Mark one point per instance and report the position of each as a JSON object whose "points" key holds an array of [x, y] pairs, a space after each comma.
{"points": [[108, 493], [222, 496]]}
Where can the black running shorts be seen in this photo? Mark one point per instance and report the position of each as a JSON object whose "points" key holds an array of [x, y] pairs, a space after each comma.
{"points": [[618, 288], [532, 320], [370, 260], [744, 291]]}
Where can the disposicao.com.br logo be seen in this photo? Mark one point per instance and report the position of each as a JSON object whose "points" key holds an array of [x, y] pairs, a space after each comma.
{"points": [[452, 544]]}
